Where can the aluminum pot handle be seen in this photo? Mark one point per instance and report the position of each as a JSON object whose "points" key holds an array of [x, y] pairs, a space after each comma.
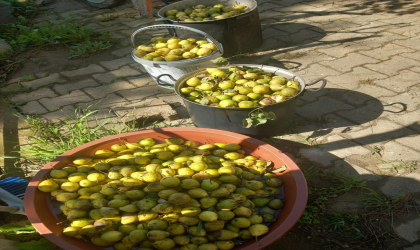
{"points": [[324, 82], [165, 84]]}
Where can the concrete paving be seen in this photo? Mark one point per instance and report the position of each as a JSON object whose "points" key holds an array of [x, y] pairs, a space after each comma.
{"points": [[368, 51]]}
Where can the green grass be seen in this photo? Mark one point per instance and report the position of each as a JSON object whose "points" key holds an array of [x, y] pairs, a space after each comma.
{"points": [[51, 139], [402, 166], [375, 150], [366, 81], [291, 55], [29, 77], [23, 35], [88, 48], [108, 17], [27, 35]]}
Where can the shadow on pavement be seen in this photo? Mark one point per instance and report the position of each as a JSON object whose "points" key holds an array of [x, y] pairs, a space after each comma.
{"points": [[380, 230], [333, 108]]}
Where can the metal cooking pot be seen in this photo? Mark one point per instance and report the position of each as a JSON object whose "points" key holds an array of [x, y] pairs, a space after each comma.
{"points": [[231, 119], [238, 34]]}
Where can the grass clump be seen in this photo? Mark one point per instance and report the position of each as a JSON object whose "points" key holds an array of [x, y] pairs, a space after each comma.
{"points": [[52, 139], [28, 35], [368, 226], [291, 55], [23, 35], [88, 48]]}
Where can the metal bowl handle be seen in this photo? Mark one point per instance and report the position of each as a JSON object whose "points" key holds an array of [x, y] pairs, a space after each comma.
{"points": [[324, 82], [165, 84]]}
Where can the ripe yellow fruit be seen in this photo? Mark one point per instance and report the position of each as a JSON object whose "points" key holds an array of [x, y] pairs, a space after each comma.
{"points": [[48, 186]]}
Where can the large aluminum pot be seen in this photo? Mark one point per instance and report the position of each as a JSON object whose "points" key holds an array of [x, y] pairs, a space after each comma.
{"points": [[231, 119]]}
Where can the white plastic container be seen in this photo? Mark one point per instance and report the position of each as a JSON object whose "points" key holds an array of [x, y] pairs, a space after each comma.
{"points": [[175, 68]]}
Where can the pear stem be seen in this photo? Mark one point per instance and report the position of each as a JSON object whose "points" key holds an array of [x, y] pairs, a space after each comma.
{"points": [[256, 239]]}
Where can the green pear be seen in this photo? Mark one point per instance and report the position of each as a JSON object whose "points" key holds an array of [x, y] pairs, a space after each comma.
{"points": [[138, 235], [214, 225], [232, 228], [157, 224], [258, 229], [175, 229], [220, 192], [146, 204], [268, 218], [156, 235], [199, 240], [224, 245], [224, 234], [275, 204], [112, 236], [129, 218], [208, 216], [260, 202], [208, 202], [108, 211], [241, 222], [195, 231], [225, 215], [188, 220], [182, 240]]}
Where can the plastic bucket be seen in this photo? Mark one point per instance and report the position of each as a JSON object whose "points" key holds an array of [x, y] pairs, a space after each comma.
{"points": [[238, 34], [174, 68], [231, 119]]}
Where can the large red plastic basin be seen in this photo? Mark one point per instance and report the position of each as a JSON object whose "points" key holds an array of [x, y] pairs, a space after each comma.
{"points": [[40, 211]]}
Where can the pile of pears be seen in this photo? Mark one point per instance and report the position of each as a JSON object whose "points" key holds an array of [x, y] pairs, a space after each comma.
{"points": [[174, 194], [240, 86], [201, 12], [174, 49]]}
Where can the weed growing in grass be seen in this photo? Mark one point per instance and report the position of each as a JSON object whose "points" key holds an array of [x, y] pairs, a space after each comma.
{"points": [[366, 81], [23, 35], [22, 8], [320, 120], [346, 223], [407, 167], [104, 83], [129, 15], [29, 77], [108, 17], [319, 197], [52, 139], [38, 61], [24, 88], [362, 230], [375, 150], [291, 55], [312, 141], [88, 48]]}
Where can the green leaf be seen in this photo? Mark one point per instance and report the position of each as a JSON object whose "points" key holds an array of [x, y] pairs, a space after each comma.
{"points": [[248, 122], [271, 116], [220, 61], [199, 227], [261, 121], [42, 244], [205, 102]]}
